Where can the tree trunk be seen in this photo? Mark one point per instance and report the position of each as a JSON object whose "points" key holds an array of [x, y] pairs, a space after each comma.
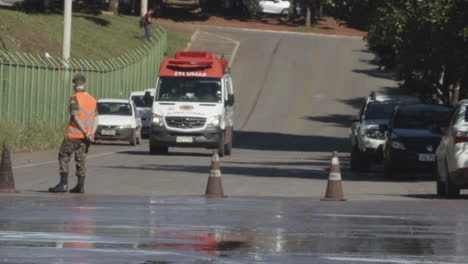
{"points": [[456, 94], [308, 17], [292, 10], [114, 6]]}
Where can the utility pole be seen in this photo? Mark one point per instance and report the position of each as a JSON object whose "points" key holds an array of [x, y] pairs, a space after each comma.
{"points": [[144, 7], [67, 19]]}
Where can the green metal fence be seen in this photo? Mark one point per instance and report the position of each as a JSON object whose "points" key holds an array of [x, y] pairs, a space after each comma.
{"points": [[37, 88]]}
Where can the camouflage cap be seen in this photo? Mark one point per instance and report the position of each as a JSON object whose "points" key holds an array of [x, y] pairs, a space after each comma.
{"points": [[79, 79]]}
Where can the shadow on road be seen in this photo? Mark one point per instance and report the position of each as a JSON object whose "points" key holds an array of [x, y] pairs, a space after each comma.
{"points": [[273, 172], [336, 120], [355, 103], [377, 73], [171, 153], [285, 142]]}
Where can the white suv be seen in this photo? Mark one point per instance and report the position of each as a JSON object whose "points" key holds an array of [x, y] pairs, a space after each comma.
{"points": [[452, 154], [368, 129]]}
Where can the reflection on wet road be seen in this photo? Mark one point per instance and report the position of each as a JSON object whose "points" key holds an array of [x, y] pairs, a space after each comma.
{"points": [[150, 230]]}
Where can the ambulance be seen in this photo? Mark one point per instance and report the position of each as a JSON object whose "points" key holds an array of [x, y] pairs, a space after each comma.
{"points": [[193, 104]]}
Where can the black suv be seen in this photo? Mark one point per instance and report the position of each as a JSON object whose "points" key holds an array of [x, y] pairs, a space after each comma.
{"points": [[412, 137]]}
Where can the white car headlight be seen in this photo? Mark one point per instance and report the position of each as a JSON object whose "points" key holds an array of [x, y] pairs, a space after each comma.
{"points": [[125, 126], [398, 145], [214, 121], [375, 134], [157, 120]]}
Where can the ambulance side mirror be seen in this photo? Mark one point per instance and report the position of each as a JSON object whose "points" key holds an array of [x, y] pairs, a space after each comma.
{"points": [[230, 100]]}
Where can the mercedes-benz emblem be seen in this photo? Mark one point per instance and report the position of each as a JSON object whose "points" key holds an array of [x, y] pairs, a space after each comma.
{"points": [[430, 148]]}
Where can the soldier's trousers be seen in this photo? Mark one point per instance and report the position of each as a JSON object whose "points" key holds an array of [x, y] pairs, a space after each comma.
{"points": [[69, 146]]}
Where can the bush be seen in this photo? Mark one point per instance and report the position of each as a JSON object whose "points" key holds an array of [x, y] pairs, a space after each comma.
{"points": [[34, 136]]}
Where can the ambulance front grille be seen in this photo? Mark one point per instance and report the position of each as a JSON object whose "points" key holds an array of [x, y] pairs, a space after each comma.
{"points": [[185, 122]]}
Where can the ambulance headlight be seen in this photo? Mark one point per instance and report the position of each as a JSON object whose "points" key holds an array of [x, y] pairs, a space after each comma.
{"points": [[214, 121], [157, 120]]}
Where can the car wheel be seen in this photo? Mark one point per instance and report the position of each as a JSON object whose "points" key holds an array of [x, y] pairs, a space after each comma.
{"points": [[228, 148], [133, 139], [389, 171], [138, 138], [221, 149], [451, 190], [440, 185], [156, 149], [440, 188], [358, 161], [284, 14]]}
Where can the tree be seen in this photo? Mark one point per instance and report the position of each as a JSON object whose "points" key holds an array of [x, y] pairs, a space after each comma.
{"points": [[427, 41], [114, 6]]}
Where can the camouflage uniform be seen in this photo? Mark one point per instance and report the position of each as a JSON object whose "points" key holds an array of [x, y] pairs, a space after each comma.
{"points": [[73, 145], [80, 148]]}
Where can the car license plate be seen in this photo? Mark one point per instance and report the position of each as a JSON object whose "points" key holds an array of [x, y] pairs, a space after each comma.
{"points": [[426, 157], [184, 139], [108, 132]]}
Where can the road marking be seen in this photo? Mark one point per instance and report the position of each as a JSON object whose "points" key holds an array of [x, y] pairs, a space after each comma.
{"points": [[376, 260], [234, 51], [236, 47], [55, 161], [308, 92], [362, 216], [194, 36]]}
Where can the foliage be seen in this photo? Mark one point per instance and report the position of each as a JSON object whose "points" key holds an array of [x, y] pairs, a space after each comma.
{"points": [[426, 41], [35, 136], [93, 36]]}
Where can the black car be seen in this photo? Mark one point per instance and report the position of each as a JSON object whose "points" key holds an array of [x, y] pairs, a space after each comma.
{"points": [[412, 137]]}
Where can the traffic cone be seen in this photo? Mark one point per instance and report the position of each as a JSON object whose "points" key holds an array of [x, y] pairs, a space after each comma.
{"points": [[214, 187], [334, 189], [7, 184]]}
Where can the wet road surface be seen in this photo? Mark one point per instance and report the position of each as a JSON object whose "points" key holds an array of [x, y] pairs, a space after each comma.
{"points": [[130, 229]]}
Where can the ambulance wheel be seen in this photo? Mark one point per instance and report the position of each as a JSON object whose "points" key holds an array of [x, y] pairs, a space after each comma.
{"points": [[221, 149]]}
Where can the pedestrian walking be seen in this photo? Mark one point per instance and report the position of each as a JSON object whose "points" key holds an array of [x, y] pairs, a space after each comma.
{"points": [[79, 135], [147, 20]]}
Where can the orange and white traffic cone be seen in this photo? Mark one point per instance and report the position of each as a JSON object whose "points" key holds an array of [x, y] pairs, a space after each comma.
{"points": [[214, 187], [334, 189], [7, 183]]}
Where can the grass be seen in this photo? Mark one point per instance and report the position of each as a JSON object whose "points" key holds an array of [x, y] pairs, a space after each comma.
{"points": [[304, 29], [93, 37], [35, 136]]}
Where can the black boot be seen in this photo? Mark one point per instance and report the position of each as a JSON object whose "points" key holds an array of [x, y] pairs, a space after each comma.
{"points": [[62, 186], [79, 188]]}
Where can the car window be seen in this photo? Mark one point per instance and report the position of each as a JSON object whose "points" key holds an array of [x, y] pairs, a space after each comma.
{"points": [[379, 111], [207, 90], [114, 109], [421, 119], [139, 100]]}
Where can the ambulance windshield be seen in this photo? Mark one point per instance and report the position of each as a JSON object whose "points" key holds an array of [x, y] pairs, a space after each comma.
{"points": [[176, 89]]}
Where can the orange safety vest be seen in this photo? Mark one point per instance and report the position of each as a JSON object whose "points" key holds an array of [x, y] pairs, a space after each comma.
{"points": [[87, 107]]}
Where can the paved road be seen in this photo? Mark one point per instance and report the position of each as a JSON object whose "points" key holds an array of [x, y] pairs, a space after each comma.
{"points": [[295, 95], [161, 230]]}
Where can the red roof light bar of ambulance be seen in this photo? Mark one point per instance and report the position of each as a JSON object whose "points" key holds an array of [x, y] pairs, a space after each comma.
{"points": [[193, 55], [181, 62]]}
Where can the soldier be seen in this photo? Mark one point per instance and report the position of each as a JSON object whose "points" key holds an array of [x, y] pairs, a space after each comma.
{"points": [[79, 135]]}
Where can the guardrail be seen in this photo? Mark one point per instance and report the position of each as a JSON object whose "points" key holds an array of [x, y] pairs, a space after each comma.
{"points": [[37, 88]]}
